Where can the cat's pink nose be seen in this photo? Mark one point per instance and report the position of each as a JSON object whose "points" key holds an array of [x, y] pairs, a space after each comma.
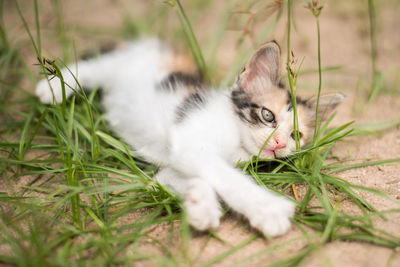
{"points": [[279, 144]]}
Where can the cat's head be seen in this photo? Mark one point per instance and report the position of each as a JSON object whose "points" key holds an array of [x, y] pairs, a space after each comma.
{"points": [[263, 105]]}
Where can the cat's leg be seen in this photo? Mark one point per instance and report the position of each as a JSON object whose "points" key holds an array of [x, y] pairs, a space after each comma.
{"points": [[136, 64], [266, 211], [89, 74], [47, 88], [200, 200]]}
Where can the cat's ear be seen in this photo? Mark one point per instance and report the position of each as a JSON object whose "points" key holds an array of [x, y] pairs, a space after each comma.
{"points": [[327, 104], [263, 69]]}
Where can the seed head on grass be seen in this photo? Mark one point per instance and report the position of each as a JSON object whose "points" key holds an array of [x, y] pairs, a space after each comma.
{"points": [[255, 16], [315, 7], [48, 66]]}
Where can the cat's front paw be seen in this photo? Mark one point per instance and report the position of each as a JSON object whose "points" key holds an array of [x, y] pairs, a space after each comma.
{"points": [[272, 218], [202, 208]]}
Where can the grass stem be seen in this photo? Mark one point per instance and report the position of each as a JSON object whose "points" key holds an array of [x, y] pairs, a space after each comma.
{"points": [[292, 76], [317, 124], [372, 29], [192, 40]]}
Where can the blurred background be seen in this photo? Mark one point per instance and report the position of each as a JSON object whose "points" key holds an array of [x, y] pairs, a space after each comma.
{"points": [[227, 31]]}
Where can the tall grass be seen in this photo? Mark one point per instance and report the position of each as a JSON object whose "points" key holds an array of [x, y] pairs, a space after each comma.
{"points": [[376, 80], [316, 9], [79, 196], [292, 75], [191, 39]]}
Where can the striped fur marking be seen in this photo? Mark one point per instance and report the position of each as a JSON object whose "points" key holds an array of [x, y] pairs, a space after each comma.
{"points": [[299, 101], [179, 78], [189, 103], [103, 49], [245, 108]]}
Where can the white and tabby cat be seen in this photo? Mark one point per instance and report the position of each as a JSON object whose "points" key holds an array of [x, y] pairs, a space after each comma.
{"points": [[157, 103]]}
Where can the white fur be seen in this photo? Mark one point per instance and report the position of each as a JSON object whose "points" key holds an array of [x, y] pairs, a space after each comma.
{"points": [[197, 156]]}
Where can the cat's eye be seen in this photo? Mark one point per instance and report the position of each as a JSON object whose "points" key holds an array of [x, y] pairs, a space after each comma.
{"points": [[293, 137], [267, 115]]}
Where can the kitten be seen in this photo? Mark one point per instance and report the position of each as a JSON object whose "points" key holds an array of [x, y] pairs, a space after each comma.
{"points": [[158, 104]]}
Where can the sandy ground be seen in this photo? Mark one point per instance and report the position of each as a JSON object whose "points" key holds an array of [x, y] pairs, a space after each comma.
{"points": [[344, 32]]}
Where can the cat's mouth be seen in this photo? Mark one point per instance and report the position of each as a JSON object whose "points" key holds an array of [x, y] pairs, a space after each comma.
{"points": [[277, 153], [270, 153]]}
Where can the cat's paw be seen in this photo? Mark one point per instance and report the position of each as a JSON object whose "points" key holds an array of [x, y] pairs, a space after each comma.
{"points": [[45, 93], [202, 207], [272, 218]]}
